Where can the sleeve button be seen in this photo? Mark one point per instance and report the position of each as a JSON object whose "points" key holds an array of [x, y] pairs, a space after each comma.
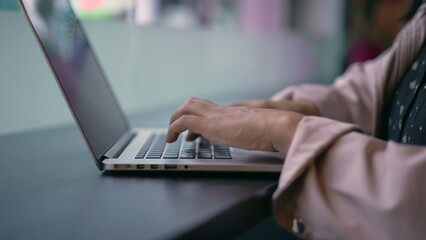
{"points": [[298, 226]]}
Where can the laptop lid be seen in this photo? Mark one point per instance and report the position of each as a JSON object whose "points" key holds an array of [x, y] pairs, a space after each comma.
{"points": [[78, 73]]}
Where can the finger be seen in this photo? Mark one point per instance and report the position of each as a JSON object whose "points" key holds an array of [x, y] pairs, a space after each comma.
{"points": [[192, 106], [185, 122], [192, 136], [240, 104], [249, 103], [237, 105]]}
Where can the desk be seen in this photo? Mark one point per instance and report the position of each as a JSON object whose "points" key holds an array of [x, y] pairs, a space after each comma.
{"points": [[51, 189]]}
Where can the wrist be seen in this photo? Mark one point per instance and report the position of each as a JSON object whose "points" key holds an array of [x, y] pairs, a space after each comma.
{"points": [[307, 107], [282, 130]]}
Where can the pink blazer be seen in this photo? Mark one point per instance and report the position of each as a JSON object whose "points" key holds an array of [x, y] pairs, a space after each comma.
{"points": [[341, 181]]}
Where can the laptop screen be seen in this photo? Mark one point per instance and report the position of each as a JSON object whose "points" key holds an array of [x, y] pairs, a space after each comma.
{"points": [[78, 72]]}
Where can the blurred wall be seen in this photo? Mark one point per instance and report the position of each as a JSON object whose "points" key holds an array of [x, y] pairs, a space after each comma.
{"points": [[152, 67]]}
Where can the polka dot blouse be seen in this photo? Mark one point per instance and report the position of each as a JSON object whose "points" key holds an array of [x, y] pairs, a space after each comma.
{"points": [[406, 121]]}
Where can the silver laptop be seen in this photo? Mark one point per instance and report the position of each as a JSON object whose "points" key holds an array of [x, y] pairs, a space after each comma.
{"points": [[112, 143]]}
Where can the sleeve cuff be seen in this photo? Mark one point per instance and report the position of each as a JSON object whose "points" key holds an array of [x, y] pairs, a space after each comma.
{"points": [[313, 136]]}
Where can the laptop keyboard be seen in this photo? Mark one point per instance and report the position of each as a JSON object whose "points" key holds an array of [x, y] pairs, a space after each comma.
{"points": [[157, 148]]}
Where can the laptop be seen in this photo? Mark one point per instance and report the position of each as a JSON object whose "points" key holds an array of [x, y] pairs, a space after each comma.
{"points": [[114, 145]]}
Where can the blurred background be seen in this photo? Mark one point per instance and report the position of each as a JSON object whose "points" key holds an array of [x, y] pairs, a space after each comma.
{"points": [[157, 53]]}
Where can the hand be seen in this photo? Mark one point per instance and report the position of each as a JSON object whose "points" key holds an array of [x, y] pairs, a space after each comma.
{"points": [[241, 127], [301, 106]]}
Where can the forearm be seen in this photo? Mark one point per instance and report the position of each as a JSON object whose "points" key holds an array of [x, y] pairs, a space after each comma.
{"points": [[307, 107]]}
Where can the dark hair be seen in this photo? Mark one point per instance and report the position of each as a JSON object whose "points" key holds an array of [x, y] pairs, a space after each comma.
{"points": [[411, 10]]}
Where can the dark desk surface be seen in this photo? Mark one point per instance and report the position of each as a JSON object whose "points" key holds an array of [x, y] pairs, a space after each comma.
{"points": [[51, 189]]}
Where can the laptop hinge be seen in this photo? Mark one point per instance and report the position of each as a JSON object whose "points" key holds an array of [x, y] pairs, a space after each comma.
{"points": [[120, 145]]}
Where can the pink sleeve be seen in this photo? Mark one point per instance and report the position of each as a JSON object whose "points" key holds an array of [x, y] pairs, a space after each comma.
{"points": [[345, 184], [359, 94], [354, 186], [353, 98]]}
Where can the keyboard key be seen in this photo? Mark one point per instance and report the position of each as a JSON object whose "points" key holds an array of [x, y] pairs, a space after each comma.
{"points": [[187, 156], [202, 155], [144, 149], [188, 150], [156, 148], [221, 152], [155, 154]]}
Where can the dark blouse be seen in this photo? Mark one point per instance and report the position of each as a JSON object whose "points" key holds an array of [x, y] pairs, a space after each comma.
{"points": [[406, 118]]}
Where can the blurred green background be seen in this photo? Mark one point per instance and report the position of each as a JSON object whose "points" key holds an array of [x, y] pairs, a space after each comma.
{"points": [[156, 53]]}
